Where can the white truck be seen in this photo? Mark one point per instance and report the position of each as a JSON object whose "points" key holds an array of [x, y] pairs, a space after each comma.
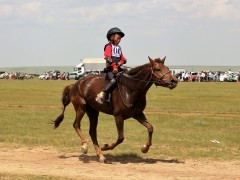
{"points": [[89, 66]]}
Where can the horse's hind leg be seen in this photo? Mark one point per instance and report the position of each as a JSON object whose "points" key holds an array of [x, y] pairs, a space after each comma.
{"points": [[93, 118], [80, 111]]}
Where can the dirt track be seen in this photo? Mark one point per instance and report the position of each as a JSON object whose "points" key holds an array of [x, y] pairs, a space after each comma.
{"points": [[47, 161]]}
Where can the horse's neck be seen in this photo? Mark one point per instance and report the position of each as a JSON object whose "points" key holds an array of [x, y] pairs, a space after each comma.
{"points": [[133, 88], [137, 82]]}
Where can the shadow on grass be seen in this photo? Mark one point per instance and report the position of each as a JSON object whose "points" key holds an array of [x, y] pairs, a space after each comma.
{"points": [[123, 159]]}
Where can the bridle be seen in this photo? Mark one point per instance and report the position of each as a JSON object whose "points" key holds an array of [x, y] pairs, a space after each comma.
{"points": [[160, 77], [147, 82], [152, 74]]}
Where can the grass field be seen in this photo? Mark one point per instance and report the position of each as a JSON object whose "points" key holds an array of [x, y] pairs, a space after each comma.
{"points": [[185, 120]]}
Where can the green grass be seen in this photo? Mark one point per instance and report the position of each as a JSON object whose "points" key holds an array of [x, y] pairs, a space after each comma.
{"points": [[184, 119]]}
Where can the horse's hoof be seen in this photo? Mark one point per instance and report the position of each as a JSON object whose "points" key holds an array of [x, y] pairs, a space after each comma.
{"points": [[105, 147], [84, 149], [105, 161], [144, 149]]}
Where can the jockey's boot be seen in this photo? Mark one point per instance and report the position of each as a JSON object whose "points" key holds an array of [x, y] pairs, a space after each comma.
{"points": [[101, 97]]}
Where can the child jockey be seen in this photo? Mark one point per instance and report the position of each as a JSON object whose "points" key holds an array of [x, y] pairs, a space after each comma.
{"points": [[114, 60]]}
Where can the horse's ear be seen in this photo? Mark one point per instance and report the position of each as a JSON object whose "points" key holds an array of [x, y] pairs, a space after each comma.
{"points": [[163, 60], [150, 60]]}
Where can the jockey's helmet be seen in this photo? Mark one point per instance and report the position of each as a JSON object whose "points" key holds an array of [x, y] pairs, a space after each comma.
{"points": [[114, 30]]}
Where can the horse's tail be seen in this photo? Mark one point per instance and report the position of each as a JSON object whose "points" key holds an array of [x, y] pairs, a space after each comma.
{"points": [[65, 101]]}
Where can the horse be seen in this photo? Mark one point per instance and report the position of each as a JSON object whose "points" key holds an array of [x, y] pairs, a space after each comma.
{"points": [[128, 100]]}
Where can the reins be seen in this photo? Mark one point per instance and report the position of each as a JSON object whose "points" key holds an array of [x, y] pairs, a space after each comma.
{"points": [[136, 79], [152, 73]]}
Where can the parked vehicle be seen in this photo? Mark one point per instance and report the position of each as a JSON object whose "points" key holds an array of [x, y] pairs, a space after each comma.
{"points": [[92, 72], [73, 76], [44, 76], [193, 76], [89, 65], [28, 76], [3, 75], [232, 77]]}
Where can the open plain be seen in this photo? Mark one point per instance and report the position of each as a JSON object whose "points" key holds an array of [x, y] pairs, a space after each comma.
{"points": [[196, 135]]}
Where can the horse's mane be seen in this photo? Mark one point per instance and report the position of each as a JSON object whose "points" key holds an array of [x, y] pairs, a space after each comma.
{"points": [[137, 69]]}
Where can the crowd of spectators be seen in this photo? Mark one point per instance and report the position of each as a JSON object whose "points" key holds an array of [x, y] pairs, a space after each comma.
{"points": [[210, 76]]}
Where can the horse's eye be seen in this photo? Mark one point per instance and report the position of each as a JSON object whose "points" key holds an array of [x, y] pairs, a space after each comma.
{"points": [[158, 70]]}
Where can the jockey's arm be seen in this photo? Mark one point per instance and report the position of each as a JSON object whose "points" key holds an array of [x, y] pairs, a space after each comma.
{"points": [[123, 60], [108, 54]]}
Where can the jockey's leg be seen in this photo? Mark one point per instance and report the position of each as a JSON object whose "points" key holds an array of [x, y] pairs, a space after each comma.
{"points": [[107, 89]]}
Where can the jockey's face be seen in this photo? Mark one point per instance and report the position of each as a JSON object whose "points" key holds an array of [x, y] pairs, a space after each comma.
{"points": [[116, 38]]}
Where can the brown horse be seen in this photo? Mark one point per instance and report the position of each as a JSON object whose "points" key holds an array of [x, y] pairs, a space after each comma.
{"points": [[128, 100]]}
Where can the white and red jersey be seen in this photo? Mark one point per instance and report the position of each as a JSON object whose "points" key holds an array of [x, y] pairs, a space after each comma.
{"points": [[114, 53]]}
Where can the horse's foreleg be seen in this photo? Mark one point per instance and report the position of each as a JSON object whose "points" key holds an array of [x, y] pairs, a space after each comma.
{"points": [[120, 126], [142, 120], [77, 126]]}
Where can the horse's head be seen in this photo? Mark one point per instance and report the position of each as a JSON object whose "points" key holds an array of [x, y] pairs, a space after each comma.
{"points": [[161, 75]]}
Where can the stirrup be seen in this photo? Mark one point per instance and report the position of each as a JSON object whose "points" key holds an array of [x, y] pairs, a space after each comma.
{"points": [[109, 98]]}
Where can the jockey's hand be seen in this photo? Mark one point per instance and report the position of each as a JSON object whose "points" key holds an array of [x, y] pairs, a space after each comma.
{"points": [[108, 60], [115, 71], [120, 63]]}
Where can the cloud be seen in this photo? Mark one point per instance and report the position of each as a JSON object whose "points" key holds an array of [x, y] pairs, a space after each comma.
{"points": [[5, 10], [171, 26], [96, 12], [147, 6], [31, 7], [74, 11], [212, 9], [224, 10]]}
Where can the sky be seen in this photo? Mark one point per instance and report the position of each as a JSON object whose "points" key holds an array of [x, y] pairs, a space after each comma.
{"points": [[61, 32]]}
